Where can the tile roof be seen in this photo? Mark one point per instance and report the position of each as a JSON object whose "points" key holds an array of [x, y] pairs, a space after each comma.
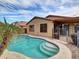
{"points": [[21, 23], [57, 19], [36, 17]]}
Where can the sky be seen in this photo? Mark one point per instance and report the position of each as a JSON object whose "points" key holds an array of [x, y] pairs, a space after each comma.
{"points": [[25, 10]]}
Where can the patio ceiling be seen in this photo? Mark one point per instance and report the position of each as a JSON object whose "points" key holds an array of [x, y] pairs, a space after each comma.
{"points": [[63, 19], [66, 20]]}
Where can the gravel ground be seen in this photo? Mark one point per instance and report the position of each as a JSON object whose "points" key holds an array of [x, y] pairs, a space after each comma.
{"points": [[74, 50]]}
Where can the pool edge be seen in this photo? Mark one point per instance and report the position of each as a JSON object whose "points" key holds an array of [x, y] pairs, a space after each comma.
{"points": [[64, 52]]}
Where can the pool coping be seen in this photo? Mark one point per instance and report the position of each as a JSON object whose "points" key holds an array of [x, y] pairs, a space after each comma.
{"points": [[64, 52]]}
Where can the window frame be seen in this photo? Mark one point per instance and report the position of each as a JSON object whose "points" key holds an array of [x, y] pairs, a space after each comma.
{"points": [[43, 28], [31, 28]]}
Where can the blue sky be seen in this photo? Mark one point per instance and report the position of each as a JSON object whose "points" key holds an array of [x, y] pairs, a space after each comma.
{"points": [[25, 10]]}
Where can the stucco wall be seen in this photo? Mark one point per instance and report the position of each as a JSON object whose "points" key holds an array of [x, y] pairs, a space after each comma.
{"points": [[36, 23], [71, 28]]}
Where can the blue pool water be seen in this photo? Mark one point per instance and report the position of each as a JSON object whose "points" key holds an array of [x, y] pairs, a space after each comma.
{"points": [[29, 46]]}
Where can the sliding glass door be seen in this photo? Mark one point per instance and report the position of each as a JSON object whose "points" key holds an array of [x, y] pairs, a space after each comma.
{"points": [[61, 30], [64, 29], [76, 28]]}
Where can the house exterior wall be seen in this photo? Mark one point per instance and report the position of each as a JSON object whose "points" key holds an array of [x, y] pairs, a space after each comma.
{"points": [[50, 28], [71, 29], [36, 23]]}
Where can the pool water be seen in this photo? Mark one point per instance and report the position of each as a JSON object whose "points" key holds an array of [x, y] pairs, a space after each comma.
{"points": [[29, 46]]}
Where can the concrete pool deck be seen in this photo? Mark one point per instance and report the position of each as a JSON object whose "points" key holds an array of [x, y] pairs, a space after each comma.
{"points": [[64, 52], [13, 55]]}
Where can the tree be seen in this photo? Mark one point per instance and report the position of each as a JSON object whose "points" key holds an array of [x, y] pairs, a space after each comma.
{"points": [[7, 31]]}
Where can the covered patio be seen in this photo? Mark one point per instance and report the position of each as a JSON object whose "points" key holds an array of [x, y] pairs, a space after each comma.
{"points": [[64, 28]]}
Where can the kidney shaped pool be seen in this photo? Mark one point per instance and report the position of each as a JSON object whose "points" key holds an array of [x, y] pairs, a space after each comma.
{"points": [[36, 48]]}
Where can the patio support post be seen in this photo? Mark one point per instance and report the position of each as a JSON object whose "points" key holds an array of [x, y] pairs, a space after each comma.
{"points": [[78, 39]]}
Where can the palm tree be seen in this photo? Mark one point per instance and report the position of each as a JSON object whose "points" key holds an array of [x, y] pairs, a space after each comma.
{"points": [[7, 31]]}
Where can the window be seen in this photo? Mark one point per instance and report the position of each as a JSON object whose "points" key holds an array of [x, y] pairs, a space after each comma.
{"points": [[31, 28], [76, 28], [43, 27]]}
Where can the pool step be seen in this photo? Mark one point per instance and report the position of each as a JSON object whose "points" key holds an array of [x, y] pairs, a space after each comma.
{"points": [[47, 49], [45, 52], [50, 45]]}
